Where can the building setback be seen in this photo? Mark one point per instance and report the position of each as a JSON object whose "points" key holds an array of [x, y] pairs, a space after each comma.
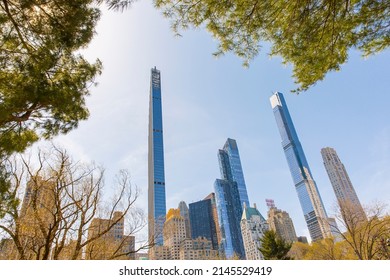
{"points": [[230, 196], [231, 168]]}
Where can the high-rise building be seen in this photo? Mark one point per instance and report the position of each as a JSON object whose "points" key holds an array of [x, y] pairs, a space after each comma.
{"points": [[308, 194], [229, 216], [37, 215], [177, 246], [39, 197], [253, 226], [203, 222], [231, 169], [185, 213], [211, 196], [280, 222], [342, 186], [156, 178], [174, 233], [109, 238]]}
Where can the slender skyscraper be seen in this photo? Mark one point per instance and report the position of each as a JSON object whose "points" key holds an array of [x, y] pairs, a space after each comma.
{"points": [[231, 169], [156, 178], [308, 194], [342, 186]]}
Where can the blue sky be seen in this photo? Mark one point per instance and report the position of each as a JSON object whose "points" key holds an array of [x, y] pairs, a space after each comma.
{"points": [[207, 100]]}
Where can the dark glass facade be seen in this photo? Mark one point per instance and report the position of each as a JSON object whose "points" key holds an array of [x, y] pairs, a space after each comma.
{"points": [[202, 221], [156, 178]]}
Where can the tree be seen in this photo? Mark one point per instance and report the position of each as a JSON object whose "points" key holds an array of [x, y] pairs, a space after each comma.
{"points": [[314, 35], [62, 200], [299, 251], [273, 247], [365, 235], [7, 199], [326, 249], [43, 77]]}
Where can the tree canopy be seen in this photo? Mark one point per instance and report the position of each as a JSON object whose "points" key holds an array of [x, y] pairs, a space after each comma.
{"points": [[43, 77], [313, 35], [273, 247]]}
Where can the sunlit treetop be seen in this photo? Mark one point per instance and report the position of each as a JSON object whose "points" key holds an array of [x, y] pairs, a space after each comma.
{"points": [[43, 78], [312, 35]]}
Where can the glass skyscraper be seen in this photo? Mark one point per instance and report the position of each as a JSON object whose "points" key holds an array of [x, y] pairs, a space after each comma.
{"points": [[342, 186], [231, 169], [308, 194], [229, 217], [202, 221], [156, 178]]}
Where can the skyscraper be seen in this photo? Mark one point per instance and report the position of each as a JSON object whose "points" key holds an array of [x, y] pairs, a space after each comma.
{"points": [[211, 197], [156, 178], [253, 226], [231, 169], [174, 232], [308, 194], [203, 222], [280, 222], [342, 186], [185, 213], [229, 216], [112, 244]]}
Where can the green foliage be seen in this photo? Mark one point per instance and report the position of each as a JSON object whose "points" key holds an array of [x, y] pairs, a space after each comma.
{"points": [[8, 198], [273, 247], [43, 79], [313, 35], [4, 187]]}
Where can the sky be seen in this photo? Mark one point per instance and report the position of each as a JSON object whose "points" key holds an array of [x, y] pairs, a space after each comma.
{"points": [[207, 100]]}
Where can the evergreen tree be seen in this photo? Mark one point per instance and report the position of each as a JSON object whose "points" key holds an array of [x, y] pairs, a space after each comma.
{"points": [[273, 247], [43, 77], [313, 35]]}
